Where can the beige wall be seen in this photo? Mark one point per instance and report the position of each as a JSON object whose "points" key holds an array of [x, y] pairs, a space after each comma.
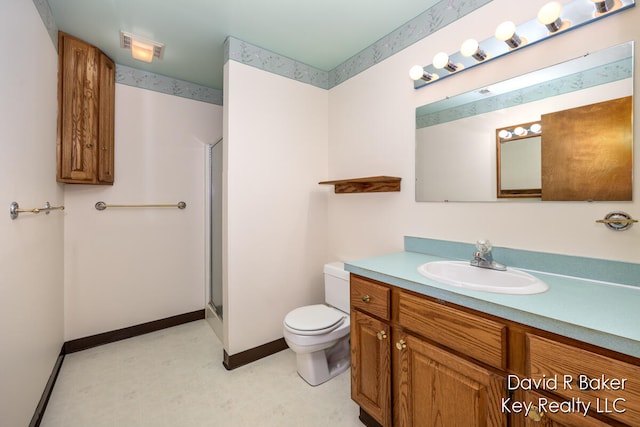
{"points": [[129, 266], [275, 219], [31, 282], [371, 132]]}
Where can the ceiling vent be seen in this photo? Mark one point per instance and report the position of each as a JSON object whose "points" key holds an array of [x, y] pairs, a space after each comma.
{"points": [[142, 49]]}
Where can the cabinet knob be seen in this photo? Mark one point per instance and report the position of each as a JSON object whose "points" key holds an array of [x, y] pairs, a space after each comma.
{"points": [[366, 298], [381, 335], [534, 414], [401, 345], [89, 146]]}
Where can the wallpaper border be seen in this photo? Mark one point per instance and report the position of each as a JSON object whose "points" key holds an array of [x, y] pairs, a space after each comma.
{"points": [[436, 17]]}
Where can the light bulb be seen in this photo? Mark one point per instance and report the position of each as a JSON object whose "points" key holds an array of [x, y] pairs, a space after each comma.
{"points": [[506, 32], [417, 73], [470, 47], [504, 134], [441, 60], [549, 15], [536, 128], [141, 51], [519, 131]]}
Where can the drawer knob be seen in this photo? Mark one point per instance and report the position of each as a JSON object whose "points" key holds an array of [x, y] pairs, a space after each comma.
{"points": [[366, 298], [401, 345], [381, 335], [534, 414]]}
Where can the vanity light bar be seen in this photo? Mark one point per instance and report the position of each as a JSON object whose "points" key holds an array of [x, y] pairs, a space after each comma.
{"points": [[520, 131], [552, 19]]}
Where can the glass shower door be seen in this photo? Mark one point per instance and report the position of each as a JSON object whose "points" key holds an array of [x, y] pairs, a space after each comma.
{"points": [[215, 209]]}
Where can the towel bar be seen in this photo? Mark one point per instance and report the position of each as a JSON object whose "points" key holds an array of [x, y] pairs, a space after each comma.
{"points": [[14, 209], [102, 206]]}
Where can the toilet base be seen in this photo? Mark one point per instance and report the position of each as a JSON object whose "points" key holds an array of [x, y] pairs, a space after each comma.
{"points": [[320, 366]]}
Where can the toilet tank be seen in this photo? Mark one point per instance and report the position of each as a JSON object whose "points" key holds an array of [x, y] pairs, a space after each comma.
{"points": [[336, 286]]}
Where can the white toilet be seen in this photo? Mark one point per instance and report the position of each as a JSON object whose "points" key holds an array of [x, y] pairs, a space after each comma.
{"points": [[319, 334]]}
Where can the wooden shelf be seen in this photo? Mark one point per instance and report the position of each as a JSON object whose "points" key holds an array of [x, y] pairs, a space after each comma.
{"points": [[372, 184]]}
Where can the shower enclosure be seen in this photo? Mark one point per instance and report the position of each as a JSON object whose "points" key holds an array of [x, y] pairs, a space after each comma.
{"points": [[215, 228]]}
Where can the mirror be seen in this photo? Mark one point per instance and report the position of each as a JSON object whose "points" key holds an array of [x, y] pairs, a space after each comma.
{"points": [[456, 138], [519, 154]]}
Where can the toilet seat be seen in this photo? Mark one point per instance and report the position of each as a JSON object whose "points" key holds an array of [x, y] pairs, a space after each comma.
{"points": [[314, 319]]}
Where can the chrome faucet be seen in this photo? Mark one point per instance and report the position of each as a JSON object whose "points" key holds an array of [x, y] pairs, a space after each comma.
{"points": [[483, 258]]}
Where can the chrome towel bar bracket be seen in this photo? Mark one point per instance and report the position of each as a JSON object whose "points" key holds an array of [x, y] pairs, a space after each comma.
{"points": [[617, 221]]}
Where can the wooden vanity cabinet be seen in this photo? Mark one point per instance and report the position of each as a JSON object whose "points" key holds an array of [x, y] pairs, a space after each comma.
{"points": [[417, 361], [86, 93], [401, 378], [371, 348]]}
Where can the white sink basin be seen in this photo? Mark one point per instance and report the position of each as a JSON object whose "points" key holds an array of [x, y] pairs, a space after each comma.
{"points": [[463, 275]]}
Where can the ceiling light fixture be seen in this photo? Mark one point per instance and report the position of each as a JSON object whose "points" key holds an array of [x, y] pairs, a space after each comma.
{"points": [[141, 49]]}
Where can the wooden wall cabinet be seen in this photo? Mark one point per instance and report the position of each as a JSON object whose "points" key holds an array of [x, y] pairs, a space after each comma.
{"points": [[86, 94], [417, 361]]}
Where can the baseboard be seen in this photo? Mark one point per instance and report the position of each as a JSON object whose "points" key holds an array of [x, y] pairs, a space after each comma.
{"points": [[130, 332], [368, 420], [48, 389], [240, 359], [105, 338]]}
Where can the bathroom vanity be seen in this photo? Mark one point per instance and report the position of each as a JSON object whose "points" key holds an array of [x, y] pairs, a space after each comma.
{"points": [[424, 353]]}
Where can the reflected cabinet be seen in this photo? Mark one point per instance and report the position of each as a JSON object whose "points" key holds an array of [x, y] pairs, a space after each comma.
{"points": [[86, 94]]}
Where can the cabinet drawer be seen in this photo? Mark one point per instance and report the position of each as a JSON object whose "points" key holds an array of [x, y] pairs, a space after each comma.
{"points": [[611, 387], [370, 297], [475, 336]]}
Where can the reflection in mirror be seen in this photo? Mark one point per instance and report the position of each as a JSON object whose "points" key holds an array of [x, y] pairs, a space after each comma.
{"points": [[456, 156], [518, 153]]}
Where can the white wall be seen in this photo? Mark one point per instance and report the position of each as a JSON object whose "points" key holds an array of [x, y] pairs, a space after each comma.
{"points": [[31, 283], [275, 221], [134, 265], [371, 132]]}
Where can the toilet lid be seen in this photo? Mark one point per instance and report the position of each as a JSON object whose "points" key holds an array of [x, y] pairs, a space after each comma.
{"points": [[314, 318]]}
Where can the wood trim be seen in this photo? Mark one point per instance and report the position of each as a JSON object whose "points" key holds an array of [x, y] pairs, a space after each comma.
{"points": [[48, 389], [234, 361], [131, 331]]}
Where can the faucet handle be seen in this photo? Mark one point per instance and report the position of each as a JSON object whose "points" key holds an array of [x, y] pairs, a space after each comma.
{"points": [[483, 246]]}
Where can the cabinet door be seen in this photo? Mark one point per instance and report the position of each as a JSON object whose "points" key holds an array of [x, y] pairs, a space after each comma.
{"points": [[78, 99], [106, 120], [436, 388], [370, 366]]}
